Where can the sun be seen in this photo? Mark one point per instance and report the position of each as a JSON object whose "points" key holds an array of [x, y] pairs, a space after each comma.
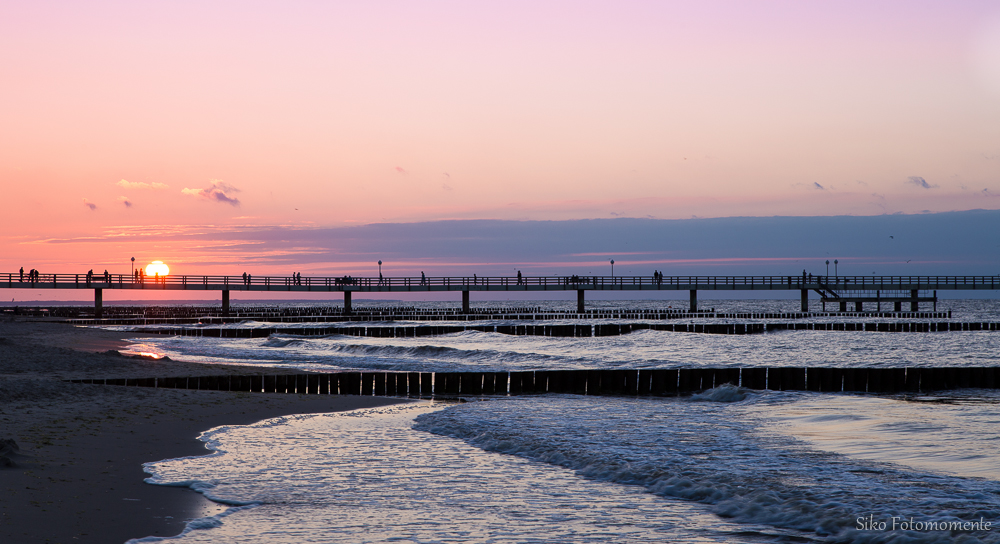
{"points": [[157, 268]]}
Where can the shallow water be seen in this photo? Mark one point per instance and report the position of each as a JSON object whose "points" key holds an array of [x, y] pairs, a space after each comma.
{"points": [[728, 465], [368, 476]]}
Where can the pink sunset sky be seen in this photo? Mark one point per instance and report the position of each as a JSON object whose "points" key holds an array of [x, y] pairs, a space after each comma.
{"points": [[124, 123]]}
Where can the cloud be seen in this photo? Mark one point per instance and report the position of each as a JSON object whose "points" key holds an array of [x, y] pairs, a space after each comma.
{"points": [[89, 204], [920, 182], [124, 200], [217, 191], [879, 201], [818, 186], [400, 170], [140, 185]]}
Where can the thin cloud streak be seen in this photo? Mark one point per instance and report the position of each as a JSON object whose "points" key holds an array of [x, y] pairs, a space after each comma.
{"points": [[140, 185]]}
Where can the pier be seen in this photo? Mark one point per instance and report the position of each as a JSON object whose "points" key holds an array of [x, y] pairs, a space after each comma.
{"points": [[844, 291]]}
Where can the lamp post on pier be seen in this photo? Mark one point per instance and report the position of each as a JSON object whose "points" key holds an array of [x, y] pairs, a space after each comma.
{"points": [[835, 273], [828, 267], [612, 268], [133, 268]]}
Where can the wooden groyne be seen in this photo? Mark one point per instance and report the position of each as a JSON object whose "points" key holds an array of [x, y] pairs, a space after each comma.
{"points": [[610, 382], [573, 330], [185, 315]]}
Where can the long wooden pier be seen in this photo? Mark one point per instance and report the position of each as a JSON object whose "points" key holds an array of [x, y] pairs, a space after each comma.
{"points": [[843, 290]]}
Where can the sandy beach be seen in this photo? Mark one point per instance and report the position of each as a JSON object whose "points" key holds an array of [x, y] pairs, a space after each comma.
{"points": [[76, 475]]}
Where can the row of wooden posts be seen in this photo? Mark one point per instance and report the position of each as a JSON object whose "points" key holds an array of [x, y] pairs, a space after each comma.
{"points": [[613, 382], [574, 330]]}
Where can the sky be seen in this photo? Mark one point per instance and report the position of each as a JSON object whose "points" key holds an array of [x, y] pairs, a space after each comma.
{"points": [[127, 127]]}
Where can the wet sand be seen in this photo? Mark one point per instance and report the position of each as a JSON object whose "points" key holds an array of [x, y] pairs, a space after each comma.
{"points": [[78, 475]]}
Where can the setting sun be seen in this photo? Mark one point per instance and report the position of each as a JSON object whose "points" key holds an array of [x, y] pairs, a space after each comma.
{"points": [[157, 268]]}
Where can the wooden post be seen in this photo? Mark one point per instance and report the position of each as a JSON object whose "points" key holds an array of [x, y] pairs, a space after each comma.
{"points": [[694, 300], [465, 301], [579, 301], [225, 303], [805, 300], [347, 302], [913, 300]]}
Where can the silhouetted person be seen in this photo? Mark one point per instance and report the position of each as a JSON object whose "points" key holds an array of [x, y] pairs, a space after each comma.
{"points": [[107, 277], [519, 277], [423, 278], [22, 274], [244, 278], [249, 279]]}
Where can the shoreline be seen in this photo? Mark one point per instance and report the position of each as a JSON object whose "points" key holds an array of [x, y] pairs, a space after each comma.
{"points": [[78, 476]]}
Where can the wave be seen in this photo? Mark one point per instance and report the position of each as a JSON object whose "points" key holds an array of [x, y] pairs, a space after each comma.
{"points": [[708, 453], [336, 346]]}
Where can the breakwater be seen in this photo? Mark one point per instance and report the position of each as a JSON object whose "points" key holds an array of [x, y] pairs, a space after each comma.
{"points": [[186, 315], [608, 382], [573, 330]]}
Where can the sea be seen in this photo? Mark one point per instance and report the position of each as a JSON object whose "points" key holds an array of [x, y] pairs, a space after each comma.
{"points": [[724, 465]]}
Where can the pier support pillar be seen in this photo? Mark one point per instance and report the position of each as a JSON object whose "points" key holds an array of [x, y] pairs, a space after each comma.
{"points": [[465, 302], [98, 303], [913, 303], [579, 301], [858, 307], [805, 300], [225, 303], [897, 306], [347, 302], [694, 300], [843, 306]]}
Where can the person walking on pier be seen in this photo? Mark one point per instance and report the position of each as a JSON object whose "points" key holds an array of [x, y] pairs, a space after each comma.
{"points": [[22, 274], [244, 278], [519, 277], [423, 278], [107, 277]]}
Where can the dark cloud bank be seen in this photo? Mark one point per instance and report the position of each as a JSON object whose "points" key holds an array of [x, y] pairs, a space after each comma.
{"points": [[943, 243]]}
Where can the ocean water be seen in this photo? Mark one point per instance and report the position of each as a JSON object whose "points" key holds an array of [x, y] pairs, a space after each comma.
{"points": [[726, 465]]}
